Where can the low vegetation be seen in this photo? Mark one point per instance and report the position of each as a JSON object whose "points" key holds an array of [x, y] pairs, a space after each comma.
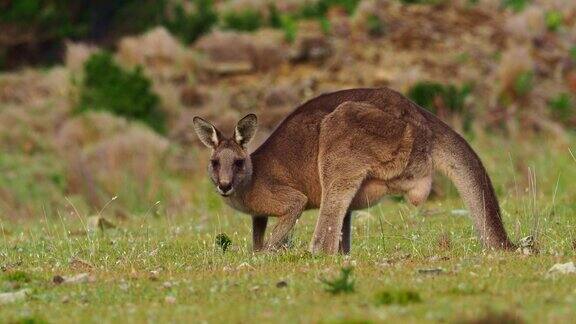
{"points": [[106, 86], [151, 267]]}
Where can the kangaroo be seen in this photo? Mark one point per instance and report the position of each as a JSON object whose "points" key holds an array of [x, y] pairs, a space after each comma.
{"points": [[340, 152]]}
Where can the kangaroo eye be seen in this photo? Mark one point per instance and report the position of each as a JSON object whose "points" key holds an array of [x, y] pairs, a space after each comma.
{"points": [[215, 163], [239, 164]]}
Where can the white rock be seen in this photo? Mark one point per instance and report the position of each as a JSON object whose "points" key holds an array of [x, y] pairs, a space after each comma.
{"points": [[562, 268], [11, 297]]}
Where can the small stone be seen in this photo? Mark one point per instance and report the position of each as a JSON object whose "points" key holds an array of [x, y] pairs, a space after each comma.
{"points": [[431, 271], [562, 268], [11, 297], [244, 265], [170, 300], [167, 285], [281, 284], [58, 279]]}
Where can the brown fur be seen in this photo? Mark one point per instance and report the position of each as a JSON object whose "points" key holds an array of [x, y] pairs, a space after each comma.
{"points": [[344, 151]]}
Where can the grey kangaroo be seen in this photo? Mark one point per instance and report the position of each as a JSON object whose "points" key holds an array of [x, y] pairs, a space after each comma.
{"points": [[340, 152]]}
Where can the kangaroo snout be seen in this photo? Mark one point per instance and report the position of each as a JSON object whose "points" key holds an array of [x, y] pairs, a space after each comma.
{"points": [[225, 188]]}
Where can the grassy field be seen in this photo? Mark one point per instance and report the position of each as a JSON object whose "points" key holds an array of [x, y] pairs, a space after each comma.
{"points": [[409, 264]]}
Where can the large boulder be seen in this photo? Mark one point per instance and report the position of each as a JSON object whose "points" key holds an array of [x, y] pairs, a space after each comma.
{"points": [[226, 52]]}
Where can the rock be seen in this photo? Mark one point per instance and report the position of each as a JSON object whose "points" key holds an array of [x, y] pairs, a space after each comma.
{"points": [[527, 245], [431, 271], [281, 284], [282, 96], [311, 44], [191, 97], [12, 297], [571, 81], [562, 268], [75, 279], [161, 54], [244, 265], [99, 223], [459, 212], [170, 300], [77, 54], [236, 53]]}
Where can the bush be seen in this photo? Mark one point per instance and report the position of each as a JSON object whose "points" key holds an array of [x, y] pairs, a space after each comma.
{"points": [[432, 94], [246, 20], [554, 20], [515, 5], [375, 26], [435, 96], [561, 107], [289, 27], [125, 93], [400, 297], [524, 83], [189, 27], [343, 284]]}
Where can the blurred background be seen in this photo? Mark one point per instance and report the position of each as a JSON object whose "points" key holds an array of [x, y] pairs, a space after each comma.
{"points": [[97, 97]]}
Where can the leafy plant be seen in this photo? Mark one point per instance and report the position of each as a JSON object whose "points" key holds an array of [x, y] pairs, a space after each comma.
{"points": [[17, 276], [125, 93], [398, 297], [375, 26], [246, 20], [561, 106], [190, 26], [30, 320], [432, 94], [319, 9], [515, 5], [343, 284], [524, 83], [289, 27], [274, 16], [554, 20], [223, 241]]}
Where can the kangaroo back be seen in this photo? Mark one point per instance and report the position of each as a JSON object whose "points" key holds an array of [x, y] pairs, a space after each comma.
{"points": [[452, 156]]}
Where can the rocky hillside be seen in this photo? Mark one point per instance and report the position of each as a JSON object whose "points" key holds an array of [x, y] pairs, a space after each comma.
{"points": [[485, 66]]}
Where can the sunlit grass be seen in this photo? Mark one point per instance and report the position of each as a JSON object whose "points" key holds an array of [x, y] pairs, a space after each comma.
{"points": [[150, 257]]}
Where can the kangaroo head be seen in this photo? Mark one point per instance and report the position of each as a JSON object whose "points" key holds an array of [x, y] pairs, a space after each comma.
{"points": [[230, 164]]}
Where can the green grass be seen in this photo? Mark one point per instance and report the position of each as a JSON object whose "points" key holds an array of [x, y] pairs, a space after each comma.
{"points": [[146, 259]]}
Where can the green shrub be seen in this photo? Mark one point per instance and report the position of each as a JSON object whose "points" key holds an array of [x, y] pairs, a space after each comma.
{"points": [[125, 93], [289, 27], [428, 94], [17, 276], [30, 320], [375, 26], [398, 297], [515, 5], [190, 26], [561, 107], [573, 52], [343, 284], [223, 241], [246, 20], [274, 16], [524, 83], [554, 20], [319, 9]]}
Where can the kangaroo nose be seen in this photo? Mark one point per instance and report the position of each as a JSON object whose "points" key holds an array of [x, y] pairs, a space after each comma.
{"points": [[225, 187]]}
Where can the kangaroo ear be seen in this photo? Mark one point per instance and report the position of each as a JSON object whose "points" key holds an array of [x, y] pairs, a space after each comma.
{"points": [[245, 129], [207, 133]]}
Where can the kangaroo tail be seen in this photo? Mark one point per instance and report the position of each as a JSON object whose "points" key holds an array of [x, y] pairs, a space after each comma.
{"points": [[452, 155]]}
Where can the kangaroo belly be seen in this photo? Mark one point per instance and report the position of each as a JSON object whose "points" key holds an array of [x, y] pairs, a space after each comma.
{"points": [[370, 193]]}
